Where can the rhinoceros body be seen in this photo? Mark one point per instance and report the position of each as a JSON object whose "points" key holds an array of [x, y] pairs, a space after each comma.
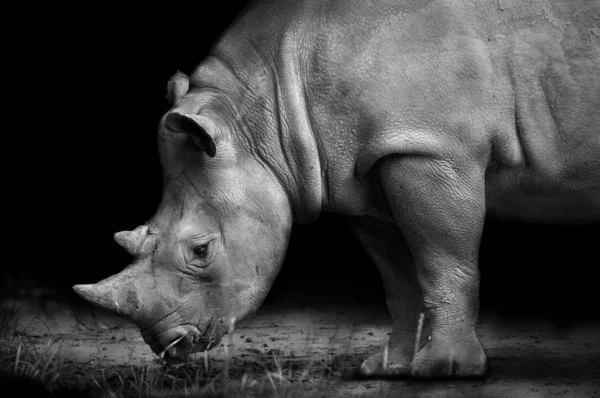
{"points": [[411, 119]]}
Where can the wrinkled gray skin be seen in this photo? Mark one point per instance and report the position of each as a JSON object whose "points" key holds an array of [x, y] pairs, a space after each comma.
{"points": [[412, 119]]}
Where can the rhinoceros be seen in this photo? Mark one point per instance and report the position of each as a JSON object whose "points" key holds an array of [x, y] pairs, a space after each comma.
{"points": [[413, 120]]}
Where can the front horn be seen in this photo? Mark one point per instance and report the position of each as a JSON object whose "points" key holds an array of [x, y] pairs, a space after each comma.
{"points": [[119, 293]]}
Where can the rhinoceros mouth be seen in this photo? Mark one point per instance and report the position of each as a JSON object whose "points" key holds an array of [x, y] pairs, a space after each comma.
{"points": [[211, 337], [174, 355], [176, 344], [173, 343], [177, 351]]}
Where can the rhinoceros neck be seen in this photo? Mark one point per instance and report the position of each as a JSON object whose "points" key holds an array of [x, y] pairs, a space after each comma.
{"points": [[272, 115], [297, 137]]}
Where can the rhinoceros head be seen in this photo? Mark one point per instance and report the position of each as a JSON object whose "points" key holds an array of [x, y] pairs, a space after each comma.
{"points": [[209, 255]]}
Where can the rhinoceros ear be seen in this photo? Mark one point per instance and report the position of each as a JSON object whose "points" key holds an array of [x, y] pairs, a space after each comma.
{"points": [[199, 127], [177, 87]]}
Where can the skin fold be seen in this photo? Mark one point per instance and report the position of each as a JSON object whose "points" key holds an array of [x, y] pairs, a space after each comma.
{"points": [[412, 119]]}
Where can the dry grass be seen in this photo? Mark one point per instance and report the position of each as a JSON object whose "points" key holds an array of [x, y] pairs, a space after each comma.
{"points": [[21, 359], [194, 379], [245, 375], [261, 375]]}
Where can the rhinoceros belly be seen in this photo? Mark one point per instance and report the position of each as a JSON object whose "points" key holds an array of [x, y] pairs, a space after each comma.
{"points": [[570, 198], [558, 179], [554, 68]]}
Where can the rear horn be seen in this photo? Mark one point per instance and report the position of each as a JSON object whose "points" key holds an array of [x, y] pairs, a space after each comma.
{"points": [[139, 241]]}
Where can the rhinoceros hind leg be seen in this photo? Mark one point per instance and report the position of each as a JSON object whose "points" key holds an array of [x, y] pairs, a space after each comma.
{"points": [[386, 247]]}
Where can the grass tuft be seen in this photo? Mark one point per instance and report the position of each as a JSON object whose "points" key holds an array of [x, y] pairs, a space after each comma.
{"points": [[261, 375], [25, 360], [21, 360]]}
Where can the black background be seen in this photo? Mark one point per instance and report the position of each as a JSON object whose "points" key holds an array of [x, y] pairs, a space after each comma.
{"points": [[87, 88]]}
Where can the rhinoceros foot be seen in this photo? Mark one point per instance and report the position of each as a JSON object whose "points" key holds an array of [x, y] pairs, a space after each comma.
{"points": [[397, 365], [444, 359]]}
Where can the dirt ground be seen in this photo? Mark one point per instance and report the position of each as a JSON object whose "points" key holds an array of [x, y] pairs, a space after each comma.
{"points": [[528, 357]]}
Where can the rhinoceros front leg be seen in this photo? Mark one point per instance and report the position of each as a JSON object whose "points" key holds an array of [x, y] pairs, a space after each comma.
{"points": [[440, 209], [388, 250]]}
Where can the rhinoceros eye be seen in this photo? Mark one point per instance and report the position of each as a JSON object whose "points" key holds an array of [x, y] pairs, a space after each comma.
{"points": [[201, 251]]}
